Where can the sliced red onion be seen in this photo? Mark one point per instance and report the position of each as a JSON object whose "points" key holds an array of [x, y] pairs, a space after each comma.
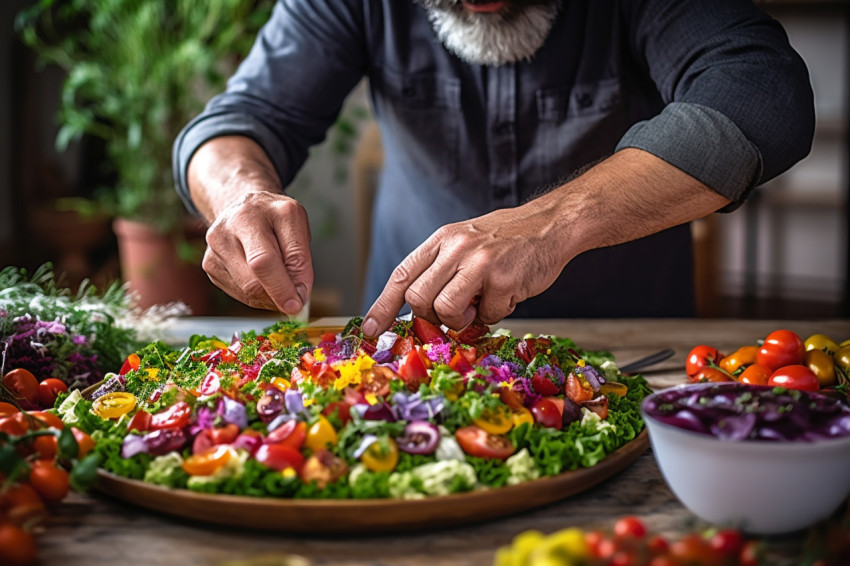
{"points": [[133, 444], [367, 441], [270, 404], [248, 442], [279, 421], [420, 437]]}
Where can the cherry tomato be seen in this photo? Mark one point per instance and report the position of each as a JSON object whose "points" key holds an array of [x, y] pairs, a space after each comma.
{"points": [[795, 377], [376, 381], [279, 457], [281, 383], [175, 416], [21, 504], [755, 375], [546, 414], [512, 398], [14, 425], [341, 409], [225, 434], [481, 444], [321, 434], [402, 346], [85, 444], [629, 527], [576, 390], [727, 542], [657, 546], [413, 369], [780, 348], [699, 357], [46, 446], [49, 481], [711, 374], [17, 547], [113, 405], [292, 434], [822, 365], [323, 468], [693, 548], [842, 357], [427, 332], [495, 421], [613, 388], [821, 342], [24, 387], [48, 390], [543, 386], [521, 416], [743, 356], [47, 420], [209, 461], [751, 554], [460, 363], [7, 409], [381, 455], [132, 363], [141, 421]]}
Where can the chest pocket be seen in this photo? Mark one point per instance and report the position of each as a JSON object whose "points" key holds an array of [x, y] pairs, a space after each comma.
{"points": [[577, 125], [422, 113]]}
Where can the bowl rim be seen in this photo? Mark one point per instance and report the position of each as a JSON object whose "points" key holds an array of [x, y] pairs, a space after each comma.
{"points": [[826, 443]]}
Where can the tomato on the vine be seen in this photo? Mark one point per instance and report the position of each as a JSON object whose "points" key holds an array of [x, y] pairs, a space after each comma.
{"points": [[24, 387], [821, 342], [822, 365], [50, 481], [700, 357], [85, 444], [794, 377], [711, 374], [755, 375], [742, 357], [17, 546], [48, 390], [781, 348], [629, 527], [46, 446], [481, 444]]}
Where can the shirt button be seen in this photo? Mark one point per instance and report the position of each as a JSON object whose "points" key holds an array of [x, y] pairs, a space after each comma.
{"points": [[503, 128]]}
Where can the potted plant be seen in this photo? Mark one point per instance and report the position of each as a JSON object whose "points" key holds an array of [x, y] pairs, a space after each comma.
{"points": [[137, 72]]}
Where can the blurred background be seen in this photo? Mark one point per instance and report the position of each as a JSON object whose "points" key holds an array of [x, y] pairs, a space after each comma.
{"points": [[86, 184]]}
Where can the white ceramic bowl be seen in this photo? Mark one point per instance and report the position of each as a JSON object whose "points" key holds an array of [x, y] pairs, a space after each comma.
{"points": [[762, 487]]}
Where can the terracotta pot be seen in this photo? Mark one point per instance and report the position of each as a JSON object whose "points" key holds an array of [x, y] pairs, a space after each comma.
{"points": [[151, 266]]}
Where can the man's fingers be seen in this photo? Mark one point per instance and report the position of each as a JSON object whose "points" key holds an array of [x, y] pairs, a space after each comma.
{"points": [[383, 312], [455, 303], [294, 238], [218, 272]]}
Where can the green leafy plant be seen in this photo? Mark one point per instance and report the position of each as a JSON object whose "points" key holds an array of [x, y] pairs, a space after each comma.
{"points": [[138, 71]]}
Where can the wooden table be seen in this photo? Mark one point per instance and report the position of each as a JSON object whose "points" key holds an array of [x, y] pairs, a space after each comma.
{"points": [[92, 530]]}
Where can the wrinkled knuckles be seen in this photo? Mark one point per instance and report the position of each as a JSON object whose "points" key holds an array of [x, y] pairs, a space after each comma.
{"points": [[449, 308], [417, 301]]}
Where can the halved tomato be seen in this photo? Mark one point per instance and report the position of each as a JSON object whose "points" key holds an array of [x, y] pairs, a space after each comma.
{"points": [[479, 443], [279, 457], [209, 461]]}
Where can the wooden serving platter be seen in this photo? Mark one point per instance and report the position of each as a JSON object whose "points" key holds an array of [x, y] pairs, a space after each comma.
{"points": [[368, 515]]}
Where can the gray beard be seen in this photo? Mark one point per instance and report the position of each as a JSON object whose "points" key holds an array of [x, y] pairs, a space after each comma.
{"points": [[492, 39]]}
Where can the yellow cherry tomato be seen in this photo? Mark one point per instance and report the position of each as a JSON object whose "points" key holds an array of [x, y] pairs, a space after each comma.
{"points": [[822, 365], [320, 435], [381, 456], [614, 388], [821, 342], [495, 421], [520, 416], [842, 357], [113, 405], [209, 461], [743, 356]]}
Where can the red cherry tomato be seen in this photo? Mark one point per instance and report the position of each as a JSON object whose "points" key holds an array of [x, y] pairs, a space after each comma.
{"points": [[48, 390], [701, 357], [795, 377], [727, 542], [341, 409], [546, 414], [175, 416], [781, 348], [225, 434], [413, 368], [141, 421], [24, 387], [427, 332], [479, 443], [629, 527], [132, 363], [292, 434], [279, 457]]}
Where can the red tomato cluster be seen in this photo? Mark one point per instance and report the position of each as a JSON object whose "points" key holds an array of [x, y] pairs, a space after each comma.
{"points": [[28, 393], [30, 446], [781, 359]]}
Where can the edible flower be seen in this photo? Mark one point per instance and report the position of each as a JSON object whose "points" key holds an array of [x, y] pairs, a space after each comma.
{"points": [[411, 406], [350, 372]]}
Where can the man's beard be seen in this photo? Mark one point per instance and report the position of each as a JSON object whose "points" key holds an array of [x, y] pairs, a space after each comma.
{"points": [[513, 34]]}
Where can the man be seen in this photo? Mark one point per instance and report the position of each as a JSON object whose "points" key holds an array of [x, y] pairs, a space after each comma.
{"points": [[672, 109]]}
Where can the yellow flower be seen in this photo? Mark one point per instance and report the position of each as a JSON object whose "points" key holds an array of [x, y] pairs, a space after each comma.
{"points": [[153, 374], [319, 355], [350, 372]]}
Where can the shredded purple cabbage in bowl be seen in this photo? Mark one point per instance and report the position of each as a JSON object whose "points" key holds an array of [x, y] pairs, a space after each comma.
{"points": [[738, 412]]}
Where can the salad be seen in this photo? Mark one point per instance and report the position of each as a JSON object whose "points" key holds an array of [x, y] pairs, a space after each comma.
{"points": [[420, 411]]}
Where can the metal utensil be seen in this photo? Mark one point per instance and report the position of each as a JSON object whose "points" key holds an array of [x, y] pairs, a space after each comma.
{"points": [[647, 361]]}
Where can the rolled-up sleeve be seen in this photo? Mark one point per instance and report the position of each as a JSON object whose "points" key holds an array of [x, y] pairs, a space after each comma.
{"points": [[289, 89], [739, 105]]}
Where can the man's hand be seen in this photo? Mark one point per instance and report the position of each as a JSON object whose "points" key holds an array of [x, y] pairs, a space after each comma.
{"points": [[258, 244], [479, 268], [258, 251], [483, 267]]}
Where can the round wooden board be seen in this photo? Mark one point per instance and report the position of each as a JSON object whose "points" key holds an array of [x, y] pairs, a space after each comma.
{"points": [[368, 515]]}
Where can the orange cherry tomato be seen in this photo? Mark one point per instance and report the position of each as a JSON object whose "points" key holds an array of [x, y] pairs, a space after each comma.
{"points": [[755, 374], [85, 444], [24, 386], [17, 547], [209, 461], [21, 504], [225, 434], [711, 374], [48, 420], [49, 481], [7, 409], [743, 356], [14, 425], [46, 446]]}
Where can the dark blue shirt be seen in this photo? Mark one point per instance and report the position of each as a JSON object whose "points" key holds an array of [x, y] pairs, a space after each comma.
{"points": [[711, 86]]}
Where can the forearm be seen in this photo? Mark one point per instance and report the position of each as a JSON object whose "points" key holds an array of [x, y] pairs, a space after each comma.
{"points": [[629, 195], [225, 169]]}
